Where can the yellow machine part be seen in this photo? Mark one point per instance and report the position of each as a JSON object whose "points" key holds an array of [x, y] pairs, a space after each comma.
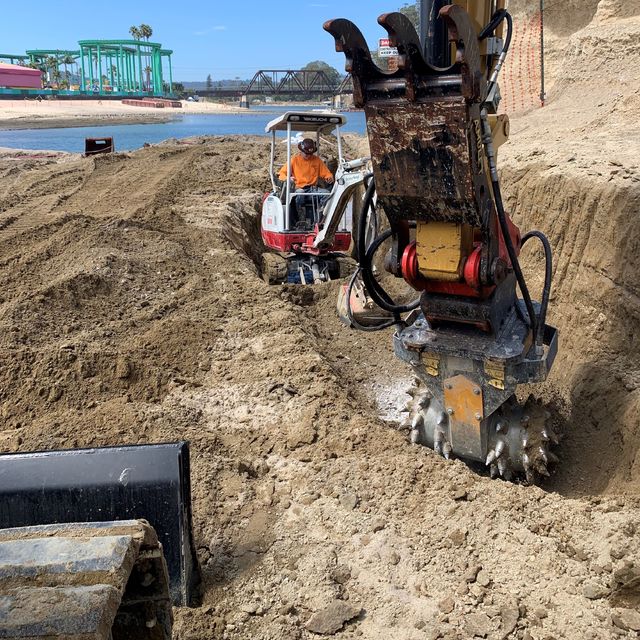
{"points": [[441, 247]]}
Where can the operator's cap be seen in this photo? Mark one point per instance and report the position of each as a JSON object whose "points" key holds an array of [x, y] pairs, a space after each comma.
{"points": [[308, 146]]}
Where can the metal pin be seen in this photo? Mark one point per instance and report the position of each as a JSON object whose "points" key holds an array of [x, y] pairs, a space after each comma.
{"points": [[491, 457], [478, 416], [450, 411], [446, 450], [499, 448], [502, 466]]}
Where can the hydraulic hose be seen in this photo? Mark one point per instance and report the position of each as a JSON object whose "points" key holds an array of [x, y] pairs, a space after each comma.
{"points": [[504, 227], [494, 23], [546, 291]]}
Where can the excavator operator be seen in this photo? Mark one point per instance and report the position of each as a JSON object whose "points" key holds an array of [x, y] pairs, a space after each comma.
{"points": [[306, 167]]}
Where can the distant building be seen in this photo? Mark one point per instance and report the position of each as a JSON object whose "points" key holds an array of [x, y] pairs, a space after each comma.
{"points": [[123, 68], [14, 76]]}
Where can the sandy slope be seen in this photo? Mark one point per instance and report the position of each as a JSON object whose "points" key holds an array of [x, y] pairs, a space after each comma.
{"points": [[132, 311]]}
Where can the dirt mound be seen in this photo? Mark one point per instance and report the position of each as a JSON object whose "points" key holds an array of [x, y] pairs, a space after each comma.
{"points": [[571, 172], [132, 311]]}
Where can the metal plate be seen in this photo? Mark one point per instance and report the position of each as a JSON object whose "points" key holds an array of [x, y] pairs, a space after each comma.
{"points": [[463, 404]]}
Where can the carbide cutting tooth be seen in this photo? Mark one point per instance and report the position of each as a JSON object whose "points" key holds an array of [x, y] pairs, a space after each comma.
{"points": [[407, 407], [501, 427], [412, 391], [418, 421], [442, 419], [438, 441], [553, 458], [542, 470], [508, 474], [545, 435], [525, 420], [493, 470], [414, 436], [547, 415], [530, 475], [491, 457], [525, 442], [446, 450], [526, 462], [543, 455], [553, 436], [424, 400], [502, 466], [499, 448]]}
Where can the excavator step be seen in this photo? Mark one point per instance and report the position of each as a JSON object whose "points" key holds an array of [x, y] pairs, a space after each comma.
{"points": [[149, 482], [84, 581]]}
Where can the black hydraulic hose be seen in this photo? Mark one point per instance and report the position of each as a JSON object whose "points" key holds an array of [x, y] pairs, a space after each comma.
{"points": [[515, 264], [378, 294], [494, 23], [367, 206], [546, 291]]}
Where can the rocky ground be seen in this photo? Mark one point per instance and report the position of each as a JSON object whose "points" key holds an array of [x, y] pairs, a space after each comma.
{"points": [[132, 310]]}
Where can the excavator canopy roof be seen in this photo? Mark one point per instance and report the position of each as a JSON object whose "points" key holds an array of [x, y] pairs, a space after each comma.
{"points": [[319, 121]]}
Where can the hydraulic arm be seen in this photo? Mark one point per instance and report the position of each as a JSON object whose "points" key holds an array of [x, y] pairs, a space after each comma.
{"points": [[434, 133]]}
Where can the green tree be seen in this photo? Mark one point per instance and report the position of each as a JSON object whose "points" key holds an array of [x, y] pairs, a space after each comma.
{"points": [[145, 31], [66, 60], [332, 74], [209, 83], [51, 63], [135, 33], [412, 12]]}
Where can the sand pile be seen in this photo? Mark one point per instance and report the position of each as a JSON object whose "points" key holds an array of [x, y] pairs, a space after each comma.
{"points": [[132, 311]]}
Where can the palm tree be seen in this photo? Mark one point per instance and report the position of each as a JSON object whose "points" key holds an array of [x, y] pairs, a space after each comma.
{"points": [[51, 63], [66, 60], [146, 32], [135, 33]]}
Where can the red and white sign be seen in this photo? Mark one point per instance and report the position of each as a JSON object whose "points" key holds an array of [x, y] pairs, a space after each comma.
{"points": [[385, 50]]}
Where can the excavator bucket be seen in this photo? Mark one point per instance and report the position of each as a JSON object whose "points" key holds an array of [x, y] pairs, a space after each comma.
{"points": [[149, 482]]}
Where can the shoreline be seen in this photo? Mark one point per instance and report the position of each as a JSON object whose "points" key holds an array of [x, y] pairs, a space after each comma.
{"points": [[20, 124], [16, 115]]}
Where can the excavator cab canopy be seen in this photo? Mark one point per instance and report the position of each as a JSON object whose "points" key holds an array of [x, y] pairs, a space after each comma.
{"points": [[316, 123]]}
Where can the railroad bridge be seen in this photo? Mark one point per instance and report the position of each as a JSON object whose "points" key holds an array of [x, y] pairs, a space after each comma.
{"points": [[302, 83]]}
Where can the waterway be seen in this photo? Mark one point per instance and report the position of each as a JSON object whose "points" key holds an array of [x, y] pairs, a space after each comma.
{"points": [[133, 136]]}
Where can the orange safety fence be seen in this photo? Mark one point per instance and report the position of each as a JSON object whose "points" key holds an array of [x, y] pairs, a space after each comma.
{"points": [[521, 77]]}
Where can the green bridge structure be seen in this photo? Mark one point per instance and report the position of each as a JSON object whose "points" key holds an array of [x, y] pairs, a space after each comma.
{"points": [[102, 68]]}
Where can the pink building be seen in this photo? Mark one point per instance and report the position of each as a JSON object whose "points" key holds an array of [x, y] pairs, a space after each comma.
{"points": [[14, 76]]}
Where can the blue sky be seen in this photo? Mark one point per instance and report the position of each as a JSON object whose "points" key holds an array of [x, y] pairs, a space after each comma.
{"points": [[224, 39]]}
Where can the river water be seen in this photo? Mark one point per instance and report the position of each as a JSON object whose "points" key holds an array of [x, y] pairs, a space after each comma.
{"points": [[133, 136]]}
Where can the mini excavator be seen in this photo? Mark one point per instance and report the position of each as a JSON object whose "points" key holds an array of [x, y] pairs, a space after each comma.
{"points": [[433, 130]]}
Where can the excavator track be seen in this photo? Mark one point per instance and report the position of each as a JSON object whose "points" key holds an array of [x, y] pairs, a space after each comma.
{"points": [[84, 581], [518, 436]]}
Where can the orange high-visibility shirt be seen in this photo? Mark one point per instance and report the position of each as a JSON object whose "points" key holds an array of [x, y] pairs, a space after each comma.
{"points": [[306, 171]]}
